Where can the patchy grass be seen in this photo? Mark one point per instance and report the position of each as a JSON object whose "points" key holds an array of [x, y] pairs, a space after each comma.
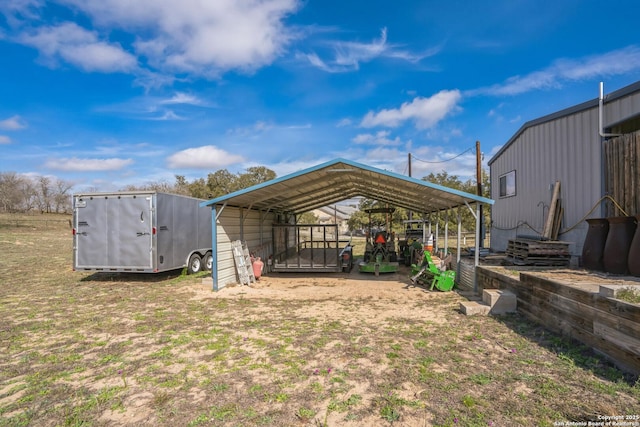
{"points": [[631, 295], [92, 349]]}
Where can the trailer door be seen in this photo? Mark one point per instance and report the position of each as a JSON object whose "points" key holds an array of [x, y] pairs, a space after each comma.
{"points": [[115, 232]]}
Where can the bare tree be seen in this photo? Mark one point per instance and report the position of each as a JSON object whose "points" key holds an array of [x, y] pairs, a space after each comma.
{"points": [[17, 193], [61, 197], [161, 186], [10, 197], [29, 195], [44, 194]]}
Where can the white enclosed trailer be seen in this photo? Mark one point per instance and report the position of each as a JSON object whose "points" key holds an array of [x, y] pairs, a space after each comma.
{"points": [[140, 231]]}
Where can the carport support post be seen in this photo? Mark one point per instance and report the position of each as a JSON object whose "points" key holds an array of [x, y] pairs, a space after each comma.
{"points": [[435, 240], [458, 248], [446, 233], [476, 214], [214, 247], [477, 252]]}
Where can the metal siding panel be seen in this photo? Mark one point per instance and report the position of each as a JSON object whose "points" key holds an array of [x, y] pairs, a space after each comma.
{"points": [[617, 110], [130, 232], [181, 229], [165, 233], [92, 231], [182, 223], [256, 232], [566, 149]]}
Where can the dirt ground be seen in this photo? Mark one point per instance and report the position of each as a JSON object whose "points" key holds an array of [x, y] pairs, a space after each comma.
{"points": [[84, 349], [338, 285]]}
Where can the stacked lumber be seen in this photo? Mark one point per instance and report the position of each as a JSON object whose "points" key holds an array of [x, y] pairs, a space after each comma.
{"points": [[538, 252], [554, 216]]}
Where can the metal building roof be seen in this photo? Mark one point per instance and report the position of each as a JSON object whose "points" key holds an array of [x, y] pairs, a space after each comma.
{"points": [[593, 103], [342, 179]]}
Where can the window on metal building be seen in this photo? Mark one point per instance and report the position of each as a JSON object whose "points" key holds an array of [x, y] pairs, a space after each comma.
{"points": [[508, 184]]}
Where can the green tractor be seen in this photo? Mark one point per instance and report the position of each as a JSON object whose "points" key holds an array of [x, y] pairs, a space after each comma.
{"points": [[380, 253]]}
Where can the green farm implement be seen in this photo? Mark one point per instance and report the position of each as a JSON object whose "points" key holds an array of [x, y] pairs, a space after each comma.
{"points": [[380, 254]]}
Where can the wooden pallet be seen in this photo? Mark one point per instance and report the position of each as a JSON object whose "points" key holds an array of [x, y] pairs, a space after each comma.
{"points": [[537, 252]]}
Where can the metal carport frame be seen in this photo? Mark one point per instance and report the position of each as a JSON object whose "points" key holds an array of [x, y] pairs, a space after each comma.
{"points": [[338, 180]]}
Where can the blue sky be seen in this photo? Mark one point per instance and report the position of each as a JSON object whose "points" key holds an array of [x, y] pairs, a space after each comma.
{"points": [[107, 93]]}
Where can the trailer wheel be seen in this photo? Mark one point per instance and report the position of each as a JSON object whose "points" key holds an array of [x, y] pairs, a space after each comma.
{"points": [[207, 261], [195, 264]]}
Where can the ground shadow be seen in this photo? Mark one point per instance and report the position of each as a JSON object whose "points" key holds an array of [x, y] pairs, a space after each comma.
{"points": [[567, 349], [112, 276]]}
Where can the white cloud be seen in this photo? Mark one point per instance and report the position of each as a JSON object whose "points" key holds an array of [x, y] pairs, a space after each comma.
{"points": [[17, 11], [344, 122], [206, 157], [435, 159], [13, 123], [347, 56], [75, 45], [350, 54], [379, 138], [167, 116], [315, 60], [75, 164], [424, 112], [5, 139], [386, 158], [616, 62], [257, 128], [298, 127], [204, 38], [290, 166], [183, 98]]}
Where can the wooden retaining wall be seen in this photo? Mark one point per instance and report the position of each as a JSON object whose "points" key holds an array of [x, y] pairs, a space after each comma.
{"points": [[608, 325]]}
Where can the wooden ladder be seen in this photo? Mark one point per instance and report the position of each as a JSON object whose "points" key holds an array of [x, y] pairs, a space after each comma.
{"points": [[244, 267]]}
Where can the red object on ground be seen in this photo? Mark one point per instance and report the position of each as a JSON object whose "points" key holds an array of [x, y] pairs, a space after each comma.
{"points": [[257, 267]]}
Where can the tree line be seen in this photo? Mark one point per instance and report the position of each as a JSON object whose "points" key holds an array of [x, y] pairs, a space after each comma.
{"points": [[360, 219], [23, 194]]}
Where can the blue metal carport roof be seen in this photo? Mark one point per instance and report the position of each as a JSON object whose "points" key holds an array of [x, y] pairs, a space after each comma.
{"points": [[341, 179]]}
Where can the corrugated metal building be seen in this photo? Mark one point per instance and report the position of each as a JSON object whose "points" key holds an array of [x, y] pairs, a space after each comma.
{"points": [[565, 146]]}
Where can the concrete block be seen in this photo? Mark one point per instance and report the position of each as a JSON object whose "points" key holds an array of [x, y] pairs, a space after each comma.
{"points": [[608, 291], [500, 301], [470, 295], [611, 291], [469, 308]]}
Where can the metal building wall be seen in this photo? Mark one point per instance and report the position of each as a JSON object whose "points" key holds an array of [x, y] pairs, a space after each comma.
{"points": [[250, 226], [564, 146], [622, 105], [565, 149]]}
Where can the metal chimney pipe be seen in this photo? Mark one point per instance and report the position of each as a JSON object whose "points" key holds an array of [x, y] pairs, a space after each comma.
{"points": [[601, 114]]}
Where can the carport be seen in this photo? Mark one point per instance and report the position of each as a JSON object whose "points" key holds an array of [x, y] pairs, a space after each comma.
{"points": [[250, 214]]}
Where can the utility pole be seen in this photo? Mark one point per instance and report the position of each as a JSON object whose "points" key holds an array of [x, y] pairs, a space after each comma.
{"points": [[410, 212], [479, 183]]}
